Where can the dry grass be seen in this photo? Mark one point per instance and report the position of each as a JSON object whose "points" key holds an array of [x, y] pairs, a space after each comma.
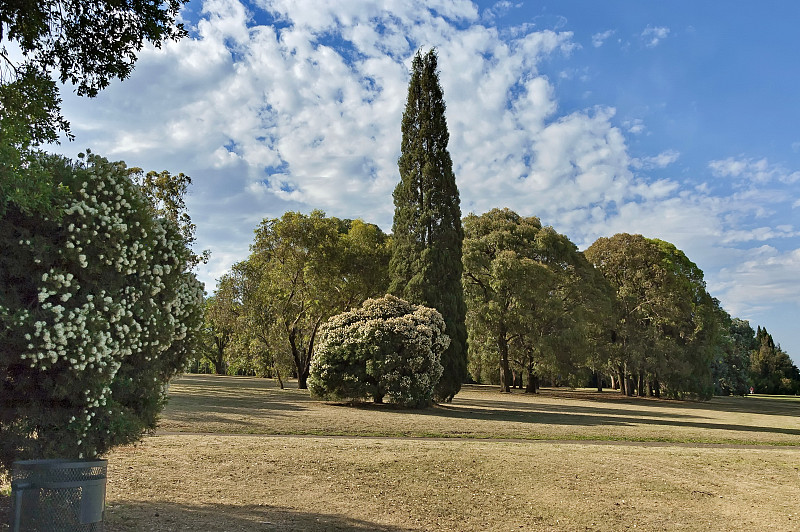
{"points": [[255, 471], [211, 404], [216, 483]]}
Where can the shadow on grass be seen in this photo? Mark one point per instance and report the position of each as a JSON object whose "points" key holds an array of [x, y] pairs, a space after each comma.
{"points": [[130, 516], [575, 414], [218, 398], [214, 398], [574, 418]]}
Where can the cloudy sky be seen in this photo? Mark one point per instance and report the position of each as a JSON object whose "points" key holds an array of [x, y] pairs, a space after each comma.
{"points": [[676, 120]]}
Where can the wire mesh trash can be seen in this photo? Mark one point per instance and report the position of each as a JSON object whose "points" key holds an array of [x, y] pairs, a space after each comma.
{"points": [[58, 495]]}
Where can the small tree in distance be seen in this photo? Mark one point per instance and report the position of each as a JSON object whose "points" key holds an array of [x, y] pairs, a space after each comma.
{"points": [[388, 348]]}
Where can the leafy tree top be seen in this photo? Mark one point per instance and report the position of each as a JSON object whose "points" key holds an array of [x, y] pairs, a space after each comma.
{"points": [[86, 43]]}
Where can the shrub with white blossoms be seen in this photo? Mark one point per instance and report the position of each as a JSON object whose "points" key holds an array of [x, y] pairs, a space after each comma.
{"points": [[97, 313], [387, 348]]}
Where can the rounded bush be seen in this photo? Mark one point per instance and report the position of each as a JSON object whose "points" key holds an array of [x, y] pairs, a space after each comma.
{"points": [[388, 348], [97, 313]]}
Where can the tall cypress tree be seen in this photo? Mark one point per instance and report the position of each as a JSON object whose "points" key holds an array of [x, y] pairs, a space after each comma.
{"points": [[426, 267]]}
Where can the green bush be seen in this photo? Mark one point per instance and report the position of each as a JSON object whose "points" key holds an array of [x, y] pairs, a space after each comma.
{"points": [[387, 348], [97, 313]]}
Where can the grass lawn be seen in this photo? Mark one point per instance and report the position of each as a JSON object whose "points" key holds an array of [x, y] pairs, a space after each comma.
{"points": [[240, 454], [212, 404]]}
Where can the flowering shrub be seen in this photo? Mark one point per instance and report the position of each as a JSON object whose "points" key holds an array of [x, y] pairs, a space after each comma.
{"points": [[387, 348], [97, 313]]}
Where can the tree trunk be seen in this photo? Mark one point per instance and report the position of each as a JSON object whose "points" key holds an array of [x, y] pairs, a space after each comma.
{"points": [[219, 364], [622, 381], [302, 374], [296, 357], [219, 358], [599, 378], [640, 389], [502, 346], [656, 389], [530, 387], [613, 382]]}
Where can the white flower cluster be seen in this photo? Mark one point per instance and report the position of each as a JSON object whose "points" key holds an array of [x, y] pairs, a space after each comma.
{"points": [[115, 291], [395, 345]]}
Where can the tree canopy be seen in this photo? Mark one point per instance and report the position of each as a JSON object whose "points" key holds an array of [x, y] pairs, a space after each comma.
{"points": [[87, 44], [533, 299], [97, 312], [666, 326], [386, 348]]}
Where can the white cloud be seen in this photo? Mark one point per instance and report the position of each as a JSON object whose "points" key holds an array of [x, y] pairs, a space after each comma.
{"points": [[635, 126], [763, 277], [662, 160], [652, 36], [306, 114], [598, 39], [756, 171]]}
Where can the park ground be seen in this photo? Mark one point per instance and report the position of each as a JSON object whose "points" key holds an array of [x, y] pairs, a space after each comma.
{"points": [[236, 453]]}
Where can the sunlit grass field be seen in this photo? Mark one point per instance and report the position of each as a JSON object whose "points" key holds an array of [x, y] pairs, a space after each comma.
{"points": [[243, 405], [237, 453]]}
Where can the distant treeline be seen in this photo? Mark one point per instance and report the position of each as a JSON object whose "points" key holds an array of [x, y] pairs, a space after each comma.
{"points": [[630, 313]]}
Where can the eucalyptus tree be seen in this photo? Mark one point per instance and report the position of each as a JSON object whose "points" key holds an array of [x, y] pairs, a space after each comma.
{"points": [[427, 236], [305, 268], [502, 282], [667, 328], [533, 298], [222, 315]]}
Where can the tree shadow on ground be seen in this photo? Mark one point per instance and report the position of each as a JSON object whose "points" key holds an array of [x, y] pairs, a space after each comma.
{"points": [[775, 405], [576, 416], [130, 516], [572, 414], [133, 516]]}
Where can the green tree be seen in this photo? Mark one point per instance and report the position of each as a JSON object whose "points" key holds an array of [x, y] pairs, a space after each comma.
{"points": [[667, 329], [84, 43], [732, 365], [259, 346], [386, 348], [97, 312], [165, 193], [771, 368], [304, 269], [427, 235], [502, 283], [222, 315], [533, 299], [87, 44]]}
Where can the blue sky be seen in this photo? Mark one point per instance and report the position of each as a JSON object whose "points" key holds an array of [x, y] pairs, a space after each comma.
{"points": [[676, 120]]}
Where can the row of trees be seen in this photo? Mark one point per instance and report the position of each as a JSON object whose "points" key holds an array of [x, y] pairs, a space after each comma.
{"points": [[630, 312]]}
